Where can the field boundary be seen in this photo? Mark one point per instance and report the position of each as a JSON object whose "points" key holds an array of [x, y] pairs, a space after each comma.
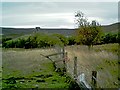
{"points": [[79, 79]]}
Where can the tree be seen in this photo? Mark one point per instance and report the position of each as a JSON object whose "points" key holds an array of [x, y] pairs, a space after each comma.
{"points": [[71, 40], [87, 33], [37, 28], [62, 38], [110, 38]]}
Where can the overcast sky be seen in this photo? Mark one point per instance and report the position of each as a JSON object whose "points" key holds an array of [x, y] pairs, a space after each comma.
{"points": [[56, 14]]}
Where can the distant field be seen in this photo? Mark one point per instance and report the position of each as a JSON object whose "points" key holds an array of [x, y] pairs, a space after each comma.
{"points": [[28, 69], [101, 58]]}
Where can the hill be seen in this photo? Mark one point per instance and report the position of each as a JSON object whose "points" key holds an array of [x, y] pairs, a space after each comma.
{"points": [[23, 31], [16, 32], [112, 28]]}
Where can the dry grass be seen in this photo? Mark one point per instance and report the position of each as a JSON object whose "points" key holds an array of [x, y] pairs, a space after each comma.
{"points": [[28, 63], [100, 59], [104, 62], [18, 60]]}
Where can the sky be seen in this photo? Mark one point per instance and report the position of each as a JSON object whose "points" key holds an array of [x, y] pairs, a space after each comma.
{"points": [[56, 14]]}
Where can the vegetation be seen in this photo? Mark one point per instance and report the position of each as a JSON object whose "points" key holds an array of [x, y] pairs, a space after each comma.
{"points": [[40, 40], [87, 33], [71, 40], [36, 40], [113, 48], [28, 69], [102, 58], [109, 38]]}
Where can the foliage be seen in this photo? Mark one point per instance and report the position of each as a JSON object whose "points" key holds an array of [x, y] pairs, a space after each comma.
{"points": [[110, 38], [112, 47], [31, 70], [36, 40], [71, 40], [62, 38], [87, 33], [5, 39]]}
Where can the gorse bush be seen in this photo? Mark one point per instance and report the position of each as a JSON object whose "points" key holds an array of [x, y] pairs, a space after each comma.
{"points": [[71, 40], [36, 40], [40, 40], [109, 38], [62, 38]]}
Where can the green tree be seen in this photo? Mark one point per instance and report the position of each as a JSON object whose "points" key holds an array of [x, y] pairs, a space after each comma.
{"points": [[87, 33], [71, 40], [62, 38], [28, 43]]}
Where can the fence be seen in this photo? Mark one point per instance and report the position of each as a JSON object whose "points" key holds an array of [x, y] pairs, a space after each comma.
{"points": [[80, 69], [103, 62], [61, 63]]}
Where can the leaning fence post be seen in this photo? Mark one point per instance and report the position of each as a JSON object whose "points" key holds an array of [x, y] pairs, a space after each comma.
{"points": [[75, 67], [94, 78]]}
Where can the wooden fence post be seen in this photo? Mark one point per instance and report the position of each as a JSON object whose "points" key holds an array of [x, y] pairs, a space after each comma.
{"points": [[64, 56], [75, 67], [94, 78], [63, 52]]}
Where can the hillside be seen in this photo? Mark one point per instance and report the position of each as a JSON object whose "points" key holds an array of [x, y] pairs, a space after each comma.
{"points": [[22, 31], [113, 28], [15, 32]]}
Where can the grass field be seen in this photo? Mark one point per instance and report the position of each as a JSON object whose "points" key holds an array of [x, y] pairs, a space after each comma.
{"points": [[28, 69], [101, 58]]}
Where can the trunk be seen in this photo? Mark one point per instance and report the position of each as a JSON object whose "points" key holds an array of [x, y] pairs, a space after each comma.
{"points": [[89, 47]]}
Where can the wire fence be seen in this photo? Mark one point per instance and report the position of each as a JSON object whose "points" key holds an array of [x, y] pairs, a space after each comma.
{"points": [[104, 63], [87, 62]]}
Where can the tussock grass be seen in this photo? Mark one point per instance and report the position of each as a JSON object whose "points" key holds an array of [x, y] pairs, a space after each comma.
{"points": [[107, 47], [26, 68], [28, 63], [101, 58]]}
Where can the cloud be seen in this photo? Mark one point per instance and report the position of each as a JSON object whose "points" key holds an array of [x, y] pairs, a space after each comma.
{"points": [[56, 14], [60, 0], [33, 19]]}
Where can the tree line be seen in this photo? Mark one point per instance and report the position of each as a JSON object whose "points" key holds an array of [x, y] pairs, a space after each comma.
{"points": [[36, 40], [44, 40]]}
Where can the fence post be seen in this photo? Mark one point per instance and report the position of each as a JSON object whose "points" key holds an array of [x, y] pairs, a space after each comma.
{"points": [[75, 67], [63, 52], [94, 78], [64, 55]]}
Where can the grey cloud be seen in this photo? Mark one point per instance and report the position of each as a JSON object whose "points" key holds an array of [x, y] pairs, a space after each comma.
{"points": [[18, 12]]}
